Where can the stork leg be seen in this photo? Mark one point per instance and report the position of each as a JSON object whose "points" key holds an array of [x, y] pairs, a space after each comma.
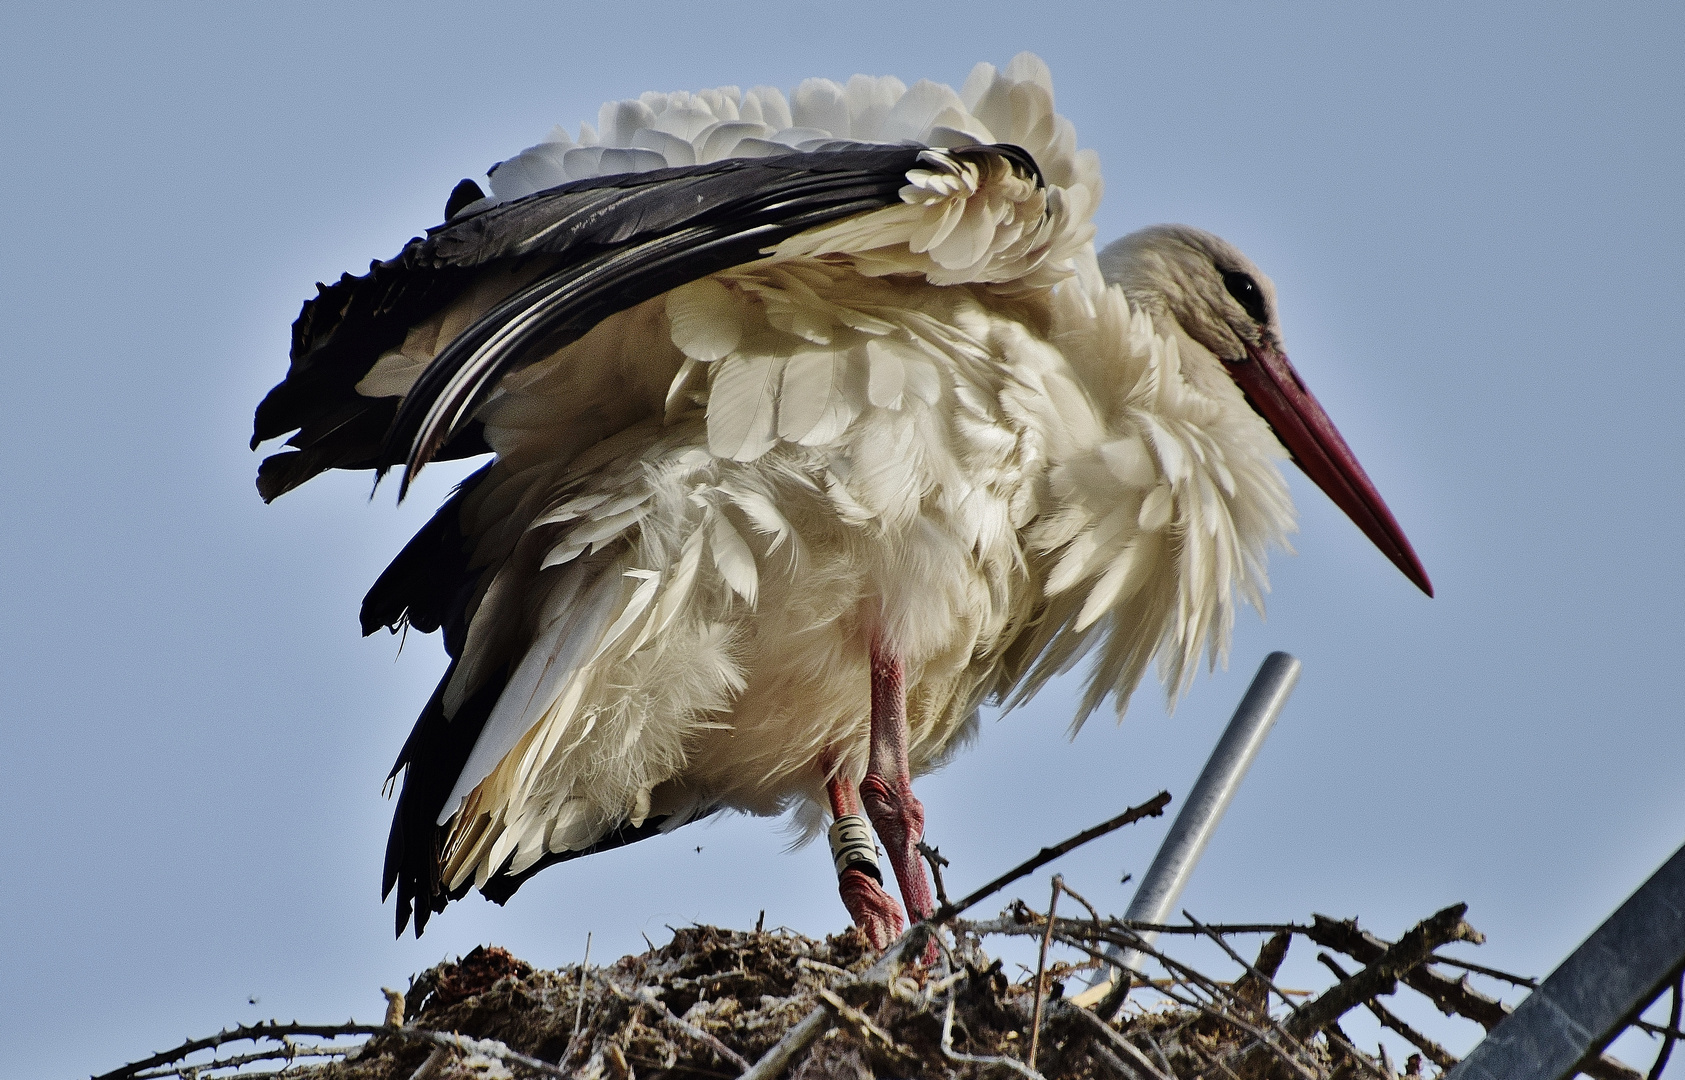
{"points": [[874, 911], [887, 789]]}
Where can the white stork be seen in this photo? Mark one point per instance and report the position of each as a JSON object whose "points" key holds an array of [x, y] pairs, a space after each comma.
{"points": [[817, 422]]}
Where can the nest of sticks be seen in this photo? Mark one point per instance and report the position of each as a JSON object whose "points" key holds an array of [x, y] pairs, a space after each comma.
{"points": [[767, 1004]]}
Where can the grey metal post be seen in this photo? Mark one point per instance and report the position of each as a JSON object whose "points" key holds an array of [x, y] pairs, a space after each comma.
{"points": [[1156, 896], [1594, 994]]}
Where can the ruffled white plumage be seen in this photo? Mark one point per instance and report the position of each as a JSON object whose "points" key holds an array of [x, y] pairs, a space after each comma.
{"points": [[932, 422]]}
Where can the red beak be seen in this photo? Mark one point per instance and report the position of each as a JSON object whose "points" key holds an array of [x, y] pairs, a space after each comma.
{"points": [[1275, 390]]}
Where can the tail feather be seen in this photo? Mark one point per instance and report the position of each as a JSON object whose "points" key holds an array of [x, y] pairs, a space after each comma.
{"points": [[431, 761]]}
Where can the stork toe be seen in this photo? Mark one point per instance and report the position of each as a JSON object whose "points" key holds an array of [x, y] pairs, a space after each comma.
{"points": [[874, 911], [898, 817]]}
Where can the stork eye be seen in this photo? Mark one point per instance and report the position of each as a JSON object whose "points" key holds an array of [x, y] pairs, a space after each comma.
{"points": [[1246, 291]]}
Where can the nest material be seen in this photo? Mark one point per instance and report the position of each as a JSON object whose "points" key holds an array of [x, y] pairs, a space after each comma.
{"points": [[764, 1005], [747, 990], [711, 1002]]}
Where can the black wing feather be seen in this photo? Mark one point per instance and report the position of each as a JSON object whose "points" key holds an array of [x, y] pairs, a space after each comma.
{"points": [[429, 584], [342, 331], [432, 757], [624, 247]]}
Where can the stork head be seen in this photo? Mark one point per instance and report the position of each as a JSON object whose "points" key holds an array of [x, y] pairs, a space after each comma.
{"points": [[1204, 287]]}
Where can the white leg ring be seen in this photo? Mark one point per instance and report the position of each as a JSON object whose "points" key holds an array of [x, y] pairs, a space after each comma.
{"points": [[852, 846]]}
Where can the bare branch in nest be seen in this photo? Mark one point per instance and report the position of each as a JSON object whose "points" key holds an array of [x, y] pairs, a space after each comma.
{"points": [[1135, 1058], [776, 1060], [1041, 970], [1381, 975], [646, 995], [869, 1032], [999, 1060], [1491, 973], [1255, 990], [281, 1033], [773, 1004], [933, 856], [270, 1031], [1454, 997], [1252, 972], [1435, 1052], [1220, 928], [1151, 808]]}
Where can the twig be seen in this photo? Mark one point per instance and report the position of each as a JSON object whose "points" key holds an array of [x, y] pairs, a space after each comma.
{"points": [[1451, 996], [280, 1032], [1123, 981], [1658, 1029], [288, 1051], [1267, 982], [1217, 995], [1261, 1038], [816, 1023], [1151, 808], [584, 966], [433, 1066], [951, 1054], [1074, 895], [1338, 1038], [646, 995], [1133, 1055], [774, 1061], [1493, 973], [1673, 1027], [863, 1026], [1382, 974], [933, 856], [487, 1047], [1041, 971], [1270, 956], [242, 1033], [1116, 1064], [1435, 1052], [1221, 928], [1264, 980], [811, 964], [1163, 1058]]}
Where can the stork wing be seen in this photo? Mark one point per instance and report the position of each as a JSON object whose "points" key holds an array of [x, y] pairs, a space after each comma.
{"points": [[613, 241]]}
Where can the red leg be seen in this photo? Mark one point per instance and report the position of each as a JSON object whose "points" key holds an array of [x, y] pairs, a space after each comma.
{"points": [[874, 911], [887, 789]]}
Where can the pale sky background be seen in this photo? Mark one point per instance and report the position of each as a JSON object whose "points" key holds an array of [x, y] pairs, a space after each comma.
{"points": [[1475, 222]]}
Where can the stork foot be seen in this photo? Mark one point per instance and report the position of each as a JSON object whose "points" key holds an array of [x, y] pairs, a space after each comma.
{"points": [[874, 911], [898, 817]]}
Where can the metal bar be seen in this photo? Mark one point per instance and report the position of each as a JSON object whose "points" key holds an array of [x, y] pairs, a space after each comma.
{"points": [[1595, 993], [1156, 896]]}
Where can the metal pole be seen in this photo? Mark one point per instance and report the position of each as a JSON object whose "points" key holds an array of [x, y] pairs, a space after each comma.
{"points": [[1156, 896], [1594, 994]]}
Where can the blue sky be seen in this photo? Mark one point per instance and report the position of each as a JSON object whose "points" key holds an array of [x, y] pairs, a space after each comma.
{"points": [[1474, 220]]}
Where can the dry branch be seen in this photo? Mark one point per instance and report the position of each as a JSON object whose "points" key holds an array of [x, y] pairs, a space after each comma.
{"points": [[1435, 1052], [1380, 976], [1151, 808], [1454, 997]]}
